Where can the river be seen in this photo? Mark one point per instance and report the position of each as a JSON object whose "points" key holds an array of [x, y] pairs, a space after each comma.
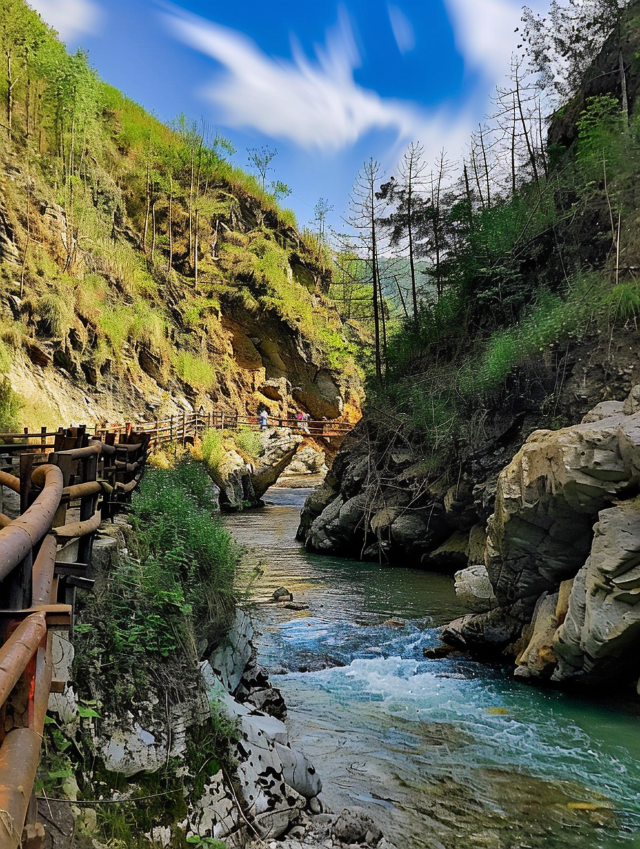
{"points": [[445, 753]]}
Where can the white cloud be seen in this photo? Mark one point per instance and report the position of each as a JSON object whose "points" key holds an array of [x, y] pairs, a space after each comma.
{"points": [[485, 32], [70, 18], [402, 29], [313, 103]]}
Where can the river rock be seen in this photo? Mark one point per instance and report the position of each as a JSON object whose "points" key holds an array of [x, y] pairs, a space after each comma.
{"points": [[492, 631], [567, 592], [280, 447], [308, 460], [234, 479], [604, 410], [242, 484], [477, 545], [538, 659], [451, 555], [474, 589], [214, 815], [339, 527], [230, 658], [548, 499], [354, 825], [459, 507], [299, 772], [317, 501]]}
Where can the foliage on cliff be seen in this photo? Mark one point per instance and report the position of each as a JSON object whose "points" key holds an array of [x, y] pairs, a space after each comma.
{"points": [[175, 591], [136, 644], [539, 250], [127, 242]]}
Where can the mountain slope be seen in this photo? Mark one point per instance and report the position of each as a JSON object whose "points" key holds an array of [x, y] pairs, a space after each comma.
{"points": [[141, 272]]}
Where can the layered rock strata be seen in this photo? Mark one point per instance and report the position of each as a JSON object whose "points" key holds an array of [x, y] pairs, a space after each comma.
{"points": [[563, 554]]}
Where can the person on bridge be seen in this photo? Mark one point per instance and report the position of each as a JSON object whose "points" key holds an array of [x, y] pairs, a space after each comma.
{"points": [[264, 419]]}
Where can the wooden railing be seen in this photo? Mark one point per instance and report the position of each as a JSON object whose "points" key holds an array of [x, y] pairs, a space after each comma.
{"points": [[185, 427]]}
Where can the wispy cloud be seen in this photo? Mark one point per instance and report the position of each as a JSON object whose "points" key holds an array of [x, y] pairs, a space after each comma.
{"points": [[314, 103], [485, 32], [402, 29], [71, 18]]}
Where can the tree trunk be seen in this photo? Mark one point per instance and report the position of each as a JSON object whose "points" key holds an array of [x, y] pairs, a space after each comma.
{"points": [[146, 214], [486, 166], [623, 86], [374, 272], [195, 255], [525, 130], [170, 264], [414, 291], [153, 240]]}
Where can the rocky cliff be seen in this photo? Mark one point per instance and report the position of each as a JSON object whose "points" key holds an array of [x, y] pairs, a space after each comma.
{"points": [[542, 536], [562, 553]]}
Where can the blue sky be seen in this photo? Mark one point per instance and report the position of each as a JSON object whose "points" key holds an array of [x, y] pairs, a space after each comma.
{"points": [[328, 83]]}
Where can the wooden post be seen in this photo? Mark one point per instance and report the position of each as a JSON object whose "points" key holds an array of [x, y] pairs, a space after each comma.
{"points": [[43, 436], [184, 428]]}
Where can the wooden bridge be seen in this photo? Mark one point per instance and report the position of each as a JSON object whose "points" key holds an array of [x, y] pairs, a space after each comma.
{"points": [[61, 485]]}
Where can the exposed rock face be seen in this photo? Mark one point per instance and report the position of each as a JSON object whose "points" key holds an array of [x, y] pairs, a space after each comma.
{"points": [[600, 636], [275, 779], [563, 553]]}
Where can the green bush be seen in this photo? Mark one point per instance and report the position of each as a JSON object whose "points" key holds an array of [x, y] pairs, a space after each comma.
{"points": [[10, 403], [213, 449], [199, 373], [177, 586], [248, 442]]}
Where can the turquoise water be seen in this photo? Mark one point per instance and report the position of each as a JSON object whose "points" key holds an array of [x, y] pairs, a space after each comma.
{"points": [[445, 753]]}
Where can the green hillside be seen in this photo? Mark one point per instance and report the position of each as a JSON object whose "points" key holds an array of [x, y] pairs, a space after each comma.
{"points": [[131, 251]]}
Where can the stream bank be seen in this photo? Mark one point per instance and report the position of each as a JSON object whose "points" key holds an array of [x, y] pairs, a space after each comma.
{"points": [[441, 752]]}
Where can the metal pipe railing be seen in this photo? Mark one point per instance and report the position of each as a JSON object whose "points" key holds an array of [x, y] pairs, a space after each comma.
{"points": [[81, 470]]}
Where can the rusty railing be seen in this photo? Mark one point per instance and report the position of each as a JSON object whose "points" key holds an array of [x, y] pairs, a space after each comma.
{"points": [[64, 494]]}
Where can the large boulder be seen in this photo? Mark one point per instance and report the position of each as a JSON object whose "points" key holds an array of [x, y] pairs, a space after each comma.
{"points": [[538, 659], [242, 484], [474, 589], [234, 479], [317, 502], [340, 527], [567, 593], [280, 447], [600, 637], [548, 499]]}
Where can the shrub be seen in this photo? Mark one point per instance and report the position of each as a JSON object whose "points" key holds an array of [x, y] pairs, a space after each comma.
{"points": [[175, 589], [10, 406], [10, 403], [196, 371], [248, 442], [212, 449], [56, 310]]}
